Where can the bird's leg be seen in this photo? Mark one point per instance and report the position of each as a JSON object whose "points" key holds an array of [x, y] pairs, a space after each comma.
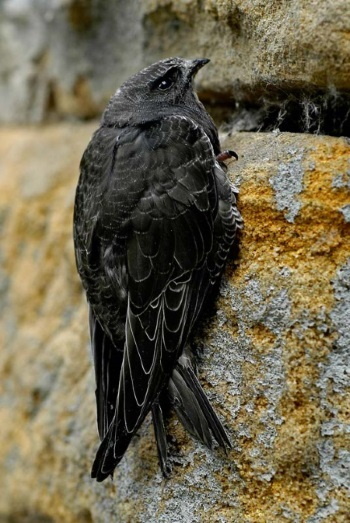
{"points": [[225, 155]]}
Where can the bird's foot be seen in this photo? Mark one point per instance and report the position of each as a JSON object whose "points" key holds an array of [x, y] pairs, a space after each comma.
{"points": [[225, 155]]}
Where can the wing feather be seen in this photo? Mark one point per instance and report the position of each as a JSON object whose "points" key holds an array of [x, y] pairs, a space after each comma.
{"points": [[107, 362]]}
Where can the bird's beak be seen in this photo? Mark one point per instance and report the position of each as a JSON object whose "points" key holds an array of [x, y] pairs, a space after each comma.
{"points": [[197, 64]]}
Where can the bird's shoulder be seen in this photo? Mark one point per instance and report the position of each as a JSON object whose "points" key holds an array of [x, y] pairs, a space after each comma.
{"points": [[114, 153]]}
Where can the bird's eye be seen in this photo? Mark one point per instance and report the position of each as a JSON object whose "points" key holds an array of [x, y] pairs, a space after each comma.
{"points": [[166, 81], [165, 84]]}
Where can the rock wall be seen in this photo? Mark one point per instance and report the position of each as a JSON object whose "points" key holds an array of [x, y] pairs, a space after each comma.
{"points": [[66, 58], [275, 356]]}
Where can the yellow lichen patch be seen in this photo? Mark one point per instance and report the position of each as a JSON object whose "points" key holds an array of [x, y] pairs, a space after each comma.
{"points": [[310, 250]]}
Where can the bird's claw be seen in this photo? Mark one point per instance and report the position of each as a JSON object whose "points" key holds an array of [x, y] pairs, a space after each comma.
{"points": [[225, 155]]}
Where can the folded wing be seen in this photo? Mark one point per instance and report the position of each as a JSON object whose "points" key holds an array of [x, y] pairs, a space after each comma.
{"points": [[170, 238]]}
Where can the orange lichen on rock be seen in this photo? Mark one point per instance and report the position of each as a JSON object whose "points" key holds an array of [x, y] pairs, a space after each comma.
{"points": [[307, 253]]}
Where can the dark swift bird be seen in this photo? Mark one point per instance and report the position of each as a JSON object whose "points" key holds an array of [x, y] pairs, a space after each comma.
{"points": [[154, 219]]}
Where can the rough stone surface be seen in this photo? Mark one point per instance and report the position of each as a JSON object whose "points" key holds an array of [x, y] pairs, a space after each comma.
{"points": [[275, 357], [255, 45], [66, 57]]}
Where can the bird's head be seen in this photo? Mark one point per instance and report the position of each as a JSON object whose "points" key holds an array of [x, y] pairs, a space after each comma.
{"points": [[162, 89]]}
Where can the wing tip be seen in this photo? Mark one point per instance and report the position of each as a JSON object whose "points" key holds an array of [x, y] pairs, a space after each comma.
{"points": [[97, 471], [100, 476]]}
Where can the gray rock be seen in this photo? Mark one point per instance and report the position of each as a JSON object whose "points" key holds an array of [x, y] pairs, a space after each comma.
{"points": [[65, 58]]}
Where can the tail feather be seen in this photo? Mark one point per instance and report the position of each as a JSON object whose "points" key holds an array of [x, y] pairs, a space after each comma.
{"points": [[188, 409], [193, 407], [160, 435]]}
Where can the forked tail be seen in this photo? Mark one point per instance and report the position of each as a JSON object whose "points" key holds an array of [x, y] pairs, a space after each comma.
{"points": [[193, 407]]}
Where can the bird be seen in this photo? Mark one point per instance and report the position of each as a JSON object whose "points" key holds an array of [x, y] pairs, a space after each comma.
{"points": [[155, 217]]}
